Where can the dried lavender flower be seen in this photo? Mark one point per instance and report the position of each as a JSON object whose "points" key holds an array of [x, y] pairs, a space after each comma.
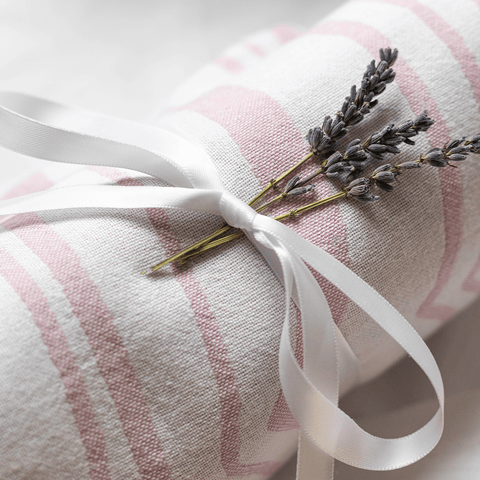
{"points": [[356, 105], [435, 158], [423, 122], [388, 55]]}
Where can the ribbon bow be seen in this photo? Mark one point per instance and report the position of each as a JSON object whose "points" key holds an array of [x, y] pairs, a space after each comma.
{"points": [[46, 130]]}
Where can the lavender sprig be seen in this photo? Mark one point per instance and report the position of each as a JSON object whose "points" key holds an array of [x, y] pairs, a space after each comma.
{"points": [[356, 105], [383, 177]]}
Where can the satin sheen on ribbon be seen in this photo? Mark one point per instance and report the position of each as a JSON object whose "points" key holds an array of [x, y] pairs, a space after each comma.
{"points": [[46, 130]]}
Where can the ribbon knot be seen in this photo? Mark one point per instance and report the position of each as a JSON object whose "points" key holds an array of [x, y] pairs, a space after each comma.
{"points": [[37, 127], [236, 212]]}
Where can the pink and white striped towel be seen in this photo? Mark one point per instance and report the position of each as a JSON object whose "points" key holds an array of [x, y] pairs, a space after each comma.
{"points": [[107, 374]]}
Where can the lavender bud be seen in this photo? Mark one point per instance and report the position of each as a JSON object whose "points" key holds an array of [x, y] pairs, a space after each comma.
{"points": [[390, 78], [345, 106], [359, 156], [365, 109], [291, 184], [302, 190], [460, 150], [409, 142], [332, 175], [377, 148], [395, 141], [408, 165], [353, 93], [327, 124], [336, 167], [403, 127], [314, 137], [337, 128], [370, 69], [456, 157], [360, 96], [359, 190], [436, 161], [393, 58], [334, 158], [353, 143], [351, 110], [357, 118], [452, 144], [352, 150], [358, 181], [367, 198], [357, 163], [474, 148], [383, 54], [382, 66], [435, 155], [474, 139], [382, 168], [380, 88], [422, 123], [373, 81], [384, 176]]}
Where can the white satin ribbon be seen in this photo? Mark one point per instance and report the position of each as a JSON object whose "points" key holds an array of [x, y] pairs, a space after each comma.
{"points": [[38, 128]]}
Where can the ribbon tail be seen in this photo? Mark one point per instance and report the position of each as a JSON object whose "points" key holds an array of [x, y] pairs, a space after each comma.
{"points": [[323, 422], [114, 196], [50, 131], [313, 463]]}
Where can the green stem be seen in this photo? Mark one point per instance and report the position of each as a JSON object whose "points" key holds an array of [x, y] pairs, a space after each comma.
{"points": [[291, 213], [274, 183], [225, 228]]}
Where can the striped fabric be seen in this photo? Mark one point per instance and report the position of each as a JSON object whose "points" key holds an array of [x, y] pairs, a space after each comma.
{"points": [[108, 374]]}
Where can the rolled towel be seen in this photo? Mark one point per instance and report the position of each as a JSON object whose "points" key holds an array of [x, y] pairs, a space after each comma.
{"points": [[108, 374]]}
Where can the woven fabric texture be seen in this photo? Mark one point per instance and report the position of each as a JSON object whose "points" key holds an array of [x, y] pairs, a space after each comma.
{"points": [[108, 374]]}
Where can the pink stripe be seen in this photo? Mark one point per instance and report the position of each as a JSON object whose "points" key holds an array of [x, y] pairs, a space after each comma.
{"points": [[230, 403], [105, 340], [416, 92], [63, 359], [232, 65], [448, 35], [285, 33], [255, 49]]}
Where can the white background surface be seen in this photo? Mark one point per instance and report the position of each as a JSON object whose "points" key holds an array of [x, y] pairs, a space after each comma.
{"points": [[123, 58]]}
